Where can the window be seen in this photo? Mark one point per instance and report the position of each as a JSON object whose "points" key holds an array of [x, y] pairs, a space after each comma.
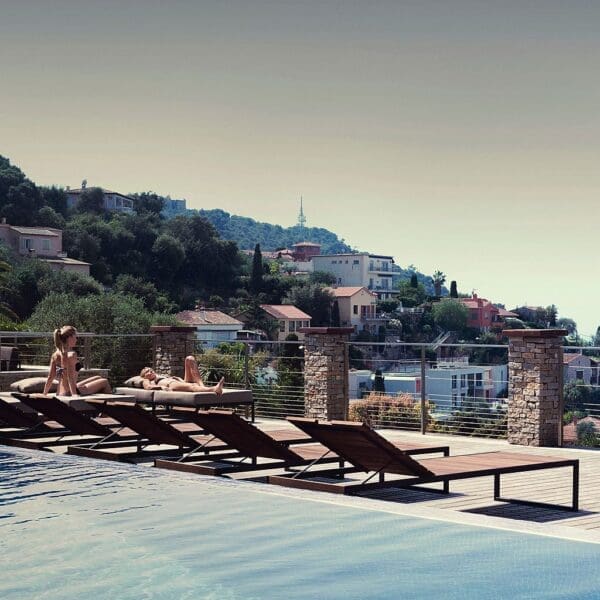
{"points": [[355, 309], [339, 280], [463, 380], [306, 324], [478, 379], [355, 262], [454, 400], [281, 325], [334, 262], [292, 326], [579, 375], [346, 262], [46, 245], [454, 381], [28, 243]]}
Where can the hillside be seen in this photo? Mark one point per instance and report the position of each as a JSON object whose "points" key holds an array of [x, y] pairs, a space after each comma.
{"points": [[247, 232]]}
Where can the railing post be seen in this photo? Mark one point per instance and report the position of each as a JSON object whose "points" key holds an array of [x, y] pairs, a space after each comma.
{"points": [[423, 393], [87, 352], [246, 362]]}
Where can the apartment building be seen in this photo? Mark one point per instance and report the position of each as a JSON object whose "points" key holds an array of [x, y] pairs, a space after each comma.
{"points": [[372, 271]]}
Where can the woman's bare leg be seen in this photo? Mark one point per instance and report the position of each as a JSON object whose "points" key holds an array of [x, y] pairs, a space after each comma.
{"points": [[187, 386], [94, 385], [192, 372]]}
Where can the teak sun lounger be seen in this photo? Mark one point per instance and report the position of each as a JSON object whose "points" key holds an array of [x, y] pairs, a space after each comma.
{"points": [[371, 453], [64, 425], [251, 443], [14, 414], [150, 430]]}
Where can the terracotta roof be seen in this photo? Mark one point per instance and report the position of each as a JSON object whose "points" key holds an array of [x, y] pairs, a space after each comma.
{"points": [[347, 292], [285, 311], [206, 317], [36, 230], [571, 356], [502, 312], [477, 303]]}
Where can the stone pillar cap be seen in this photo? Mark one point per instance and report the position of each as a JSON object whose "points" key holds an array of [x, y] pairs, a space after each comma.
{"points": [[534, 333]]}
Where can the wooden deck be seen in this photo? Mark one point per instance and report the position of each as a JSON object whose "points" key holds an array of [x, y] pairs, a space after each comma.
{"points": [[475, 496]]}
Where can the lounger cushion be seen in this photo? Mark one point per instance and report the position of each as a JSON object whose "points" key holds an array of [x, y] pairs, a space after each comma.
{"points": [[229, 396], [138, 394], [31, 385], [136, 382]]}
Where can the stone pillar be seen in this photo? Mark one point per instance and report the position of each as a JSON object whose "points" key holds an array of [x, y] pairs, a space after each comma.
{"points": [[535, 394], [326, 372], [171, 345]]}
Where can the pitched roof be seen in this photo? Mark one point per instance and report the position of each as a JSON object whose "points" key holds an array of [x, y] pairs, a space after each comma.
{"points": [[206, 317], [285, 311], [36, 230], [104, 190], [502, 312], [65, 261], [347, 292], [571, 356]]}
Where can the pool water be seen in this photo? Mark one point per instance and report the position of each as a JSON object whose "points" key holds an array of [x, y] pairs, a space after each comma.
{"points": [[77, 528]]}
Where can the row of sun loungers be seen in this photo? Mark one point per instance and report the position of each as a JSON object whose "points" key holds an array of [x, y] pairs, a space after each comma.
{"points": [[322, 456]]}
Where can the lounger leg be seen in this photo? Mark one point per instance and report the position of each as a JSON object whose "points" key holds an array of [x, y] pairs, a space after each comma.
{"points": [[497, 486], [576, 486]]}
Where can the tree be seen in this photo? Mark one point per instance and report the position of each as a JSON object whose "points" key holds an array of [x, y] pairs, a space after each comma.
{"points": [[450, 315], [48, 217], [169, 255], [148, 202], [410, 295], [56, 199], [313, 300], [567, 324], [438, 281], [453, 290], [256, 278], [335, 314], [576, 396], [91, 201], [596, 341], [22, 204], [551, 312], [322, 277], [290, 364], [414, 282]]}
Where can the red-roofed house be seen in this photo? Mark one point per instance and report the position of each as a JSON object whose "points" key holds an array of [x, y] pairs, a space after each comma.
{"points": [[212, 326], [358, 308], [578, 367], [483, 315], [289, 319], [570, 430]]}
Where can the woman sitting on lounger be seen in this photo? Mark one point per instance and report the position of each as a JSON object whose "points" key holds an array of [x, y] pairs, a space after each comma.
{"points": [[64, 367], [191, 382]]}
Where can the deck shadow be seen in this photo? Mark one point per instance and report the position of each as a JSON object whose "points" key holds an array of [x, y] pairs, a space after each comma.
{"points": [[519, 512]]}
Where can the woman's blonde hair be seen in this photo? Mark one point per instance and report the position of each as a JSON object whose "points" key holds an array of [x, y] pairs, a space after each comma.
{"points": [[62, 335], [145, 370]]}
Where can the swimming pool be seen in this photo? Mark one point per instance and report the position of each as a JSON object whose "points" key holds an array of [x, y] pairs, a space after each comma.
{"points": [[76, 528]]}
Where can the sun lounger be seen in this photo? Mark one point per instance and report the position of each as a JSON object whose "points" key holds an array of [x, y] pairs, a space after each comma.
{"points": [[152, 435], [371, 453], [16, 415], [70, 419], [251, 443]]}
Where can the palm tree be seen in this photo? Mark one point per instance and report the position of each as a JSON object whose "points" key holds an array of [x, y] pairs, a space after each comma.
{"points": [[438, 281]]}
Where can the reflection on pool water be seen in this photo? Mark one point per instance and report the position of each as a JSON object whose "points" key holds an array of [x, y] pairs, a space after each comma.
{"points": [[76, 528]]}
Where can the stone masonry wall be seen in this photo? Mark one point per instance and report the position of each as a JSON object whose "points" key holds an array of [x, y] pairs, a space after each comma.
{"points": [[326, 372], [171, 346], [535, 402]]}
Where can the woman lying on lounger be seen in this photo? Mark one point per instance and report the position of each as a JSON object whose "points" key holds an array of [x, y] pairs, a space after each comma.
{"points": [[64, 367], [191, 382]]}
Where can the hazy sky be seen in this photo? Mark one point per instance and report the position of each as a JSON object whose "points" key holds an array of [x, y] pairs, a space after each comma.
{"points": [[453, 135]]}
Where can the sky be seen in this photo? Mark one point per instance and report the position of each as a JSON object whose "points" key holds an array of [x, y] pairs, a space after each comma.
{"points": [[457, 135]]}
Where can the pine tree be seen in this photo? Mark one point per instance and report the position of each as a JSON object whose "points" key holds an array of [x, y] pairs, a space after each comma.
{"points": [[335, 314], [453, 290], [256, 279], [414, 282], [379, 382]]}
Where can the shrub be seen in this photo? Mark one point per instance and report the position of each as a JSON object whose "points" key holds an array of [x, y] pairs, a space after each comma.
{"points": [[383, 410], [586, 434]]}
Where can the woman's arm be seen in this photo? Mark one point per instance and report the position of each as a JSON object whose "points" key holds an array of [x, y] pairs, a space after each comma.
{"points": [[71, 374], [51, 375]]}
